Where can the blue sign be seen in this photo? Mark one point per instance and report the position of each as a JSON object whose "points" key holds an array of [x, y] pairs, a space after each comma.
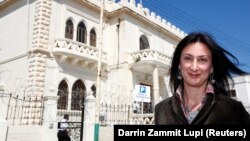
{"points": [[142, 89]]}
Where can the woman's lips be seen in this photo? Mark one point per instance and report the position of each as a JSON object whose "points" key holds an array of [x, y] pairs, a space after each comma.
{"points": [[194, 75]]}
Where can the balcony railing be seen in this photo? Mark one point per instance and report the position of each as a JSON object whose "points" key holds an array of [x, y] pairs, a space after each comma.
{"points": [[77, 50], [150, 55]]}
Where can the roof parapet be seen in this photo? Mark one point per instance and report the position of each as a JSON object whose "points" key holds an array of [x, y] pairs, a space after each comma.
{"points": [[111, 5], [150, 15]]}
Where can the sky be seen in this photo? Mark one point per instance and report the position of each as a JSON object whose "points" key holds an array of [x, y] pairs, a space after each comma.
{"points": [[228, 21]]}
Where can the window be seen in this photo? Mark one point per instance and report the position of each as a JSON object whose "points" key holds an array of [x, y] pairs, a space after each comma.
{"points": [[144, 42], [63, 95], [78, 94], [69, 29], [92, 38], [81, 33]]}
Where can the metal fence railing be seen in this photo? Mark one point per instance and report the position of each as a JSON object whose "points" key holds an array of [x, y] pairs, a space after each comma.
{"points": [[23, 110], [111, 114]]}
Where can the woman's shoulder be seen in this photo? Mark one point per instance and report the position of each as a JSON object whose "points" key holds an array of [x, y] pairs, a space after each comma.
{"points": [[165, 101], [234, 107], [226, 100]]}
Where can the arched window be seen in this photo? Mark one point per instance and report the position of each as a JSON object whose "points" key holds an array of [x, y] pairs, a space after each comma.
{"points": [[69, 29], [78, 94], [92, 38], [63, 95], [93, 88], [81, 33], [144, 42]]}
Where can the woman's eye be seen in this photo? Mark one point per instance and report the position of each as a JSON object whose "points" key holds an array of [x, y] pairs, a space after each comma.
{"points": [[187, 58], [202, 60]]}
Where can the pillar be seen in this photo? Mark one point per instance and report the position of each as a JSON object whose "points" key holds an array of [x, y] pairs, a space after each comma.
{"points": [[89, 118], [130, 84], [155, 86], [50, 118]]}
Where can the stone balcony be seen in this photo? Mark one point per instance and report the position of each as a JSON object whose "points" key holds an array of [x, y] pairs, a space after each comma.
{"points": [[146, 60], [76, 53]]}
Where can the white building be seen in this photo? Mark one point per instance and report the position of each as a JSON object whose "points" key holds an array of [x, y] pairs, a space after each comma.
{"points": [[49, 54], [241, 90]]}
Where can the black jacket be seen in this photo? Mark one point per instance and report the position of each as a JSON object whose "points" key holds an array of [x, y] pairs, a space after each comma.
{"points": [[217, 109]]}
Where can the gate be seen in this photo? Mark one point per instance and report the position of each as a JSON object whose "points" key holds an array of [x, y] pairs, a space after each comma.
{"points": [[75, 123], [75, 131]]}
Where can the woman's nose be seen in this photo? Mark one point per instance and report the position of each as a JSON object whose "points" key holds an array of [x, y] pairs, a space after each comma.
{"points": [[194, 65]]}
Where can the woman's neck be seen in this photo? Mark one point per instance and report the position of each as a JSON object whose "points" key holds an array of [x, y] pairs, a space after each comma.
{"points": [[193, 96]]}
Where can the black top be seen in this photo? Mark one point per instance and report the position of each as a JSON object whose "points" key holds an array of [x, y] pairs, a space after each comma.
{"points": [[218, 109]]}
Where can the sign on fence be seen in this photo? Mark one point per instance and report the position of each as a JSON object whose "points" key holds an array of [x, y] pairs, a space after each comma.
{"points": [[142, 93]]}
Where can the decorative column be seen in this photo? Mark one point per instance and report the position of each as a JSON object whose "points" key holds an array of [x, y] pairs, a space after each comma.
{"points": [[89, 118], [39, 51], [155, 86], [130, 84], [69, 99]]}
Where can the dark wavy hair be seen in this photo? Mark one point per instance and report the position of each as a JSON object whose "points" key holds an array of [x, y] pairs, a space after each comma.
{"points": [[223, 67]]}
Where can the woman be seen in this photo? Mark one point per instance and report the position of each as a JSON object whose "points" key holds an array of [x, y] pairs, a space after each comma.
{"points": [[199, 80]]}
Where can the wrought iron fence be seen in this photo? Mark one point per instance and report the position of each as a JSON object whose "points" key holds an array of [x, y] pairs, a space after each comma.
{"points": [[24, 110], [111, 114]]}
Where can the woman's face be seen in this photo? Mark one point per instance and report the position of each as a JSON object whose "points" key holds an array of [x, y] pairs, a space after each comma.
{"points": [[196, 64]]}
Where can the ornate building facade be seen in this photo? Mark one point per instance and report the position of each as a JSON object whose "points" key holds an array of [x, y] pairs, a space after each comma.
{"points": [[50, 50]]}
